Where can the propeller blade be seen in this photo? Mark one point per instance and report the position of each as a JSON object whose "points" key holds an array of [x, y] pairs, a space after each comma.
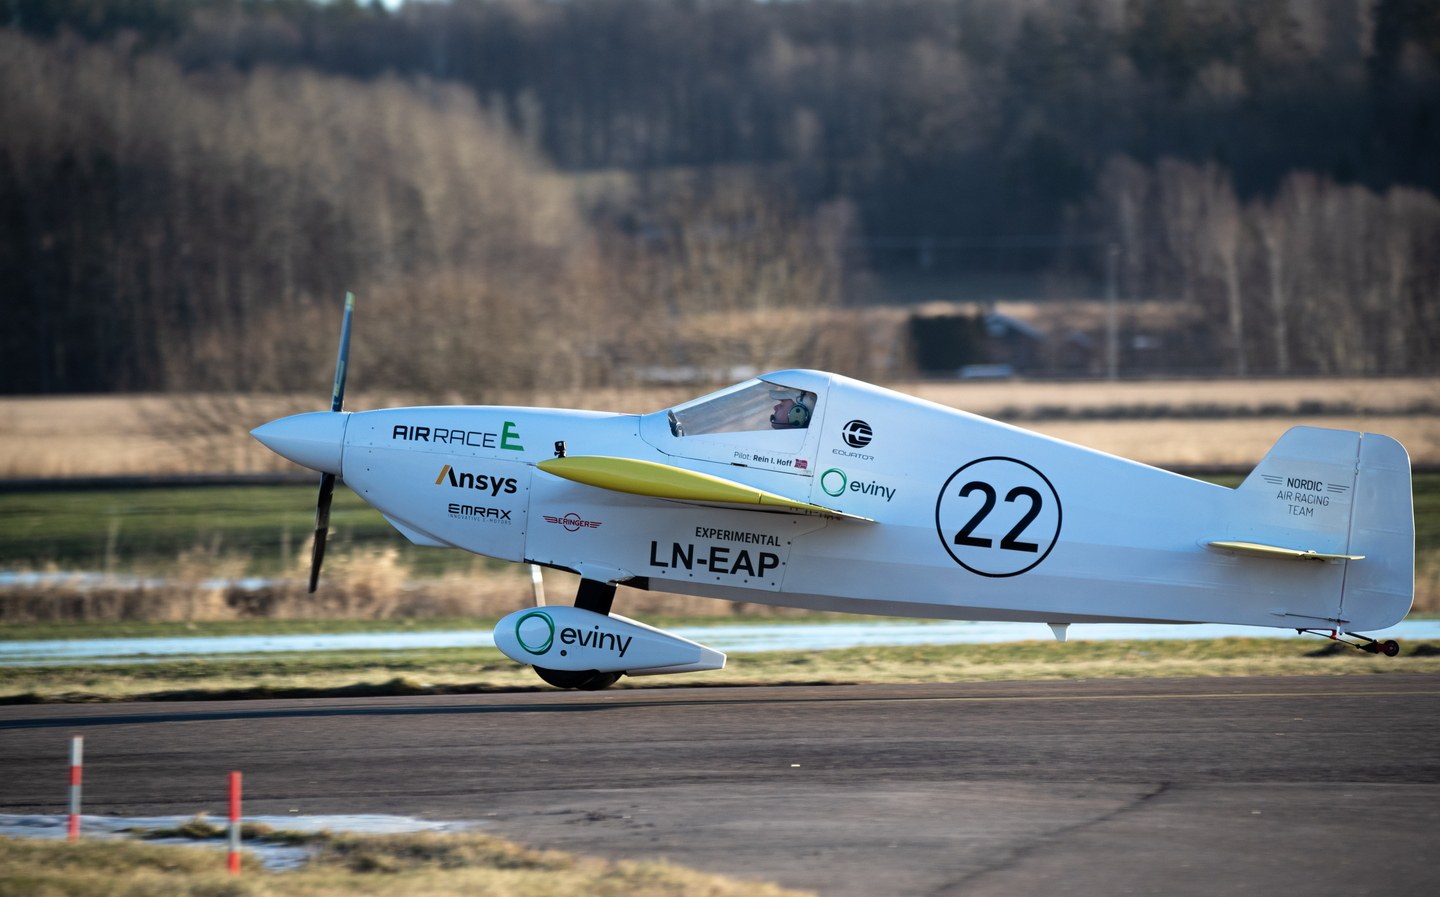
{"points": [[327, 481], [322, 527], [342, 359]]}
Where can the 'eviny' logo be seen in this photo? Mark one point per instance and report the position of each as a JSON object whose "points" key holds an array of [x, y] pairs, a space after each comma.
{"points": [[538, 637], [541, 634]]}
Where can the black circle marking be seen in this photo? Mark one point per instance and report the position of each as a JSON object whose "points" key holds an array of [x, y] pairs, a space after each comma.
{"points": [[1018, 541], [857, 434]]}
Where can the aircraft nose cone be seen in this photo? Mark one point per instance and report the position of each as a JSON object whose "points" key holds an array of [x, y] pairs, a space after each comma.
{"points": [[315, 440]]}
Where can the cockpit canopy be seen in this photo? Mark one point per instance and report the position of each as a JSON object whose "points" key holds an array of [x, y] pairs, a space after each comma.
{"points": [[764, 422], [753, 405]]}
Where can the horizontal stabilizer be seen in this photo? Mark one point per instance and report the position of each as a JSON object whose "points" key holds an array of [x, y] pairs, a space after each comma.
{"points": [[1255, 549], [636, 477]]}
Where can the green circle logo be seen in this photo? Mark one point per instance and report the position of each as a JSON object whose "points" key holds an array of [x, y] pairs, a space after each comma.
{"points": [[549, 635], [826, 479]]}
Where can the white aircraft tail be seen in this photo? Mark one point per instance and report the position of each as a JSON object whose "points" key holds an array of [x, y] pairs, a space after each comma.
{"points": [[1336, 496]]}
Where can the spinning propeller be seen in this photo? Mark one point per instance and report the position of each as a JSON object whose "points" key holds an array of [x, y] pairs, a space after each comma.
{"points": [[327, 479]]}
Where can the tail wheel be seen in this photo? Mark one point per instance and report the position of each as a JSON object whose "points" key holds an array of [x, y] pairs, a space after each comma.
{"points": [[1389, 647], [584, 680]]}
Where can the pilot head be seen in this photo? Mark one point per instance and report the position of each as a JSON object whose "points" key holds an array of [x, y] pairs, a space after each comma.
{"points": [[792, 409]]}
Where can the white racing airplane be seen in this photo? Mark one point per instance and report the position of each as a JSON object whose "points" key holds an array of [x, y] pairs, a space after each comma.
{"points": [[813, 490]]}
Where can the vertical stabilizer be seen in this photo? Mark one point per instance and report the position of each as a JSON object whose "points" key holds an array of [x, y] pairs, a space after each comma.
{"points": [[1302, 492], [1341, 497]]}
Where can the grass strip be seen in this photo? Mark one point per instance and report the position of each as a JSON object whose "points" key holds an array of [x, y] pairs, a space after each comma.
{"points": [[436, 865], [480, 670], [143, 531]]}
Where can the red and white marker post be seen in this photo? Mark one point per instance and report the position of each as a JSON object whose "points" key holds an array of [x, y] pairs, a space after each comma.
{"points": [[77, 754], [234, 861]]}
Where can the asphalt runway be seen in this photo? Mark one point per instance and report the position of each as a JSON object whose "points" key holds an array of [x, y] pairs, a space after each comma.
{"points": [[1306, 786]]}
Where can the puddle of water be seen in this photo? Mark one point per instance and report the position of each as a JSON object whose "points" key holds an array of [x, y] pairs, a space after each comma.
{"points": [[275, 857], [82, 580], [139, 650]]}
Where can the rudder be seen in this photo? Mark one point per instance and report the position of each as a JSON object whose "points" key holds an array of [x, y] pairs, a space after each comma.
{"points": [[1379, 590]]}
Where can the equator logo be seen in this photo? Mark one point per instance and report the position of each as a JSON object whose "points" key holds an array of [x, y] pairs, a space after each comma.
{"points": [[857, 433], [535, 632]]}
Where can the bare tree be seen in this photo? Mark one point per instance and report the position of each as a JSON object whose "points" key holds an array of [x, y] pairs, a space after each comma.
{"points": [[1272, 227]]}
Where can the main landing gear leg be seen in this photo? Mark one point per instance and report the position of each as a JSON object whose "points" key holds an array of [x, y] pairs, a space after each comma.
{"points": [[596, 597], [1389, 647]]}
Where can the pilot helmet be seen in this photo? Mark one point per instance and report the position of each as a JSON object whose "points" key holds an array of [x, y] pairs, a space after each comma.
{"points": [[798, 417]]}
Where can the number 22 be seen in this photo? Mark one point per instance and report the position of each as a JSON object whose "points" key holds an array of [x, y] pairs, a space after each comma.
{"points": [[1011, 541]]}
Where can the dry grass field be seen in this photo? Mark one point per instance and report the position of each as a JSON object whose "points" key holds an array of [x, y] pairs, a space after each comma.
{"points": [[1222, 423], [448, 864], [1166, 423], [1383, 396], [1231, 443]]}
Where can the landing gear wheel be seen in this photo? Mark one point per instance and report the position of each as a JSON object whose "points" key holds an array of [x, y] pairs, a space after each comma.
{"points": [[584, 680], [596, 597], [1390, 647]]}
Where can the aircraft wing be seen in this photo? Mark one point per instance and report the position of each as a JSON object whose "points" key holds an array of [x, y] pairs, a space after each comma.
{"points": [[648, 478]]}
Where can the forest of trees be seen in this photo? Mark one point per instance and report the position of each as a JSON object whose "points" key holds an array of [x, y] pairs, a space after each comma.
{"points": [[529, 193]]}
